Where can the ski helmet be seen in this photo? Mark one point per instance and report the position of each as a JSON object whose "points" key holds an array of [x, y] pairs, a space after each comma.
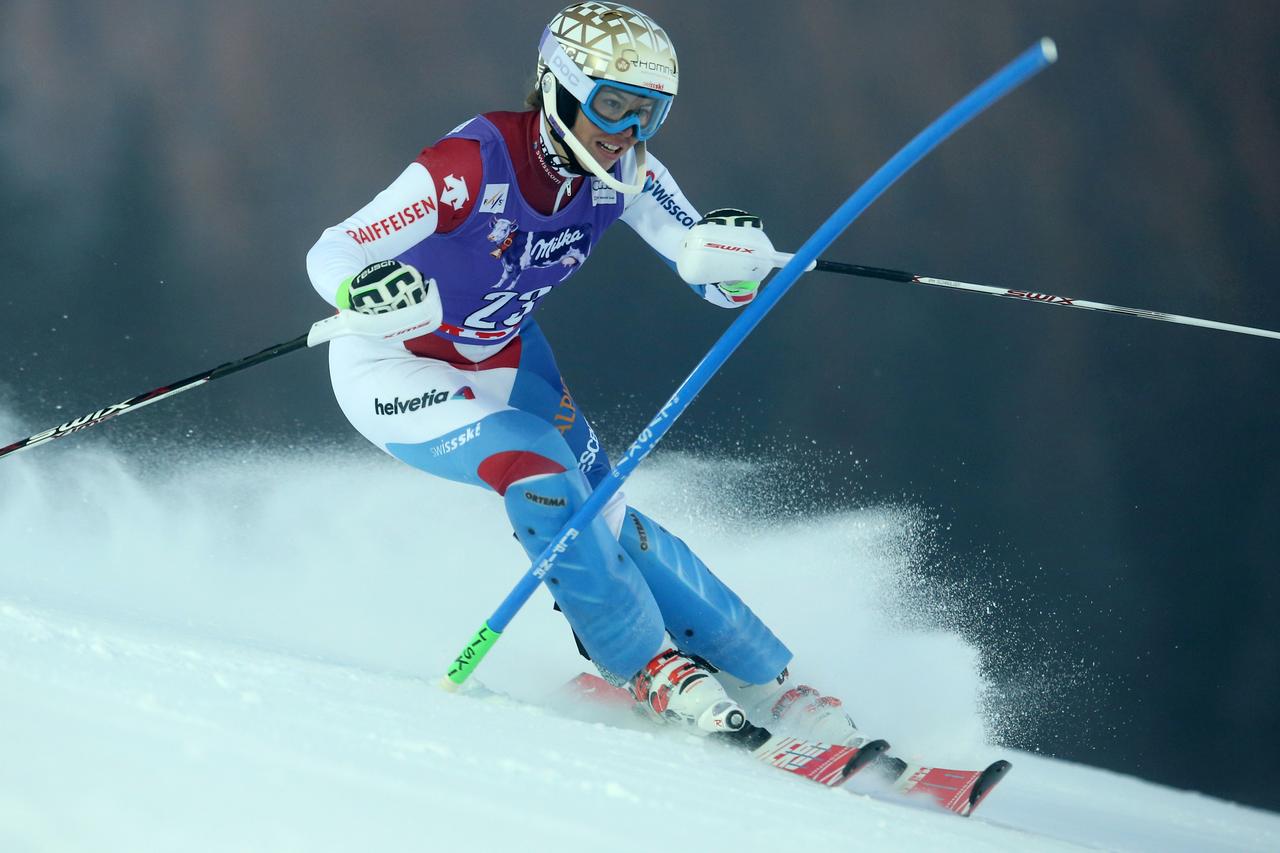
{"points": [[616, 65]]}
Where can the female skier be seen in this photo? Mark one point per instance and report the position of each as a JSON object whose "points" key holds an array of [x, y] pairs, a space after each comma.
{"points": [[486, 223]]}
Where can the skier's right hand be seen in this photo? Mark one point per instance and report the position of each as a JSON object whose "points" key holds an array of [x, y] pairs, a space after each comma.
{"points": [[382, 287], [388, 300]]}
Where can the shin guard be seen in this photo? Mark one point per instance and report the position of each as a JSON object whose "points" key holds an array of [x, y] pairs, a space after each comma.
{"points": [[594, 581], [704, 616]]}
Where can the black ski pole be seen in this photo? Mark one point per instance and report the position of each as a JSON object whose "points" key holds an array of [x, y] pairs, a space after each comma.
{"points": [[154, 395], [1045, 298], [398, 325]]}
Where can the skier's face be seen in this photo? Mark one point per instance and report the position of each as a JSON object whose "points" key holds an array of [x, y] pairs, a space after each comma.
{"points": [[607, 148]]}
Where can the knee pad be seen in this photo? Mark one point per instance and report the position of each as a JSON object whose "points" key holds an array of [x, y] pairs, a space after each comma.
{"points": [[595, 582], [703, 615]]}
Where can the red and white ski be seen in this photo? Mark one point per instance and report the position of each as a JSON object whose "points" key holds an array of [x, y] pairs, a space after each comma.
{"points": [[957, 791], [824, 763]]}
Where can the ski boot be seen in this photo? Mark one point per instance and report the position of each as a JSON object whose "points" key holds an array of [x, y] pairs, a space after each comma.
{"points": [[795, 709], [676, 689]]}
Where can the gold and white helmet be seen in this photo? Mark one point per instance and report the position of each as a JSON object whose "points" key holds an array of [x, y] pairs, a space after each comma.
{"points": [[620, 68]]}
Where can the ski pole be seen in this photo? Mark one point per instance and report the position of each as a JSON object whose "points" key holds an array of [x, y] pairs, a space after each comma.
{"points": [[782, 258], [1026, 65], [343, 323], [154, 396]]}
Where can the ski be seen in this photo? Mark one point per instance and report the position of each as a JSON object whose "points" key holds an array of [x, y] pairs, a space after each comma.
{"points": [[958, 791], [827, 764], [595, 690]]}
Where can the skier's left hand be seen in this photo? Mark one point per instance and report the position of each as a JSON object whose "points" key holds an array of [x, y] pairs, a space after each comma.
{"points": [[727, 248]]}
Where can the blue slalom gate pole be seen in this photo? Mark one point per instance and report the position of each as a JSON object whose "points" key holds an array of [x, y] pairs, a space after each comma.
{"points": [[1034, 59]]}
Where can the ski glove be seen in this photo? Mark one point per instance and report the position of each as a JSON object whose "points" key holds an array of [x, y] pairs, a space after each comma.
{"points": [[382, 287], [387, 300], [727, 248]]}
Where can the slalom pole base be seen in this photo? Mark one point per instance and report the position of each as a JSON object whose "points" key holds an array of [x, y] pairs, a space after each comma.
{"points": [[470, 656]]}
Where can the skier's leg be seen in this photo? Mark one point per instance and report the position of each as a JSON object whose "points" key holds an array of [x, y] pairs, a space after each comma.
{"points": [[594, 582], [671, 686], [709, 620], [508, 423], [704, 616], [459, 422], [606, 600]]}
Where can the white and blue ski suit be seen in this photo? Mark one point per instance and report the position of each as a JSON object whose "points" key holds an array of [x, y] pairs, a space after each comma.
{"points": [[481, 401]]}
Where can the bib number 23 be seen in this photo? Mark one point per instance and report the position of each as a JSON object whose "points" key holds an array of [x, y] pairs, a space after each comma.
{"points": [[484, 318]]}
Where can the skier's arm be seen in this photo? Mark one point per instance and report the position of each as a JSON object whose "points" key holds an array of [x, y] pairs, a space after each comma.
{"points": [[662, 216], [416, 205]]}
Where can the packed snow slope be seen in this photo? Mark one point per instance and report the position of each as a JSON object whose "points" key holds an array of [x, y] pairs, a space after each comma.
{"points": [[240, 652]]}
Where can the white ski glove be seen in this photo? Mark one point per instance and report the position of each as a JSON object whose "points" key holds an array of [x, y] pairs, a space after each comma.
{"points": [[381, 287], [387, 300], [727, 248]]}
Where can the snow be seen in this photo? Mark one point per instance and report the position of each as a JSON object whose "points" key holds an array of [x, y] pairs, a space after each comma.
{"points": [[240, 651]]}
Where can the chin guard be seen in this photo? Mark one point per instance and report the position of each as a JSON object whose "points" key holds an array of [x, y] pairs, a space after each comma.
{"points": [[579, 150]]}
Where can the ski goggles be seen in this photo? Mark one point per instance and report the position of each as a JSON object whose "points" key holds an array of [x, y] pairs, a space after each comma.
{"points": [[614, 107], [611, 106]]}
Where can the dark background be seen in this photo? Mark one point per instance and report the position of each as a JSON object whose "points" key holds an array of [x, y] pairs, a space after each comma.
{"points": [[1111, 482]]}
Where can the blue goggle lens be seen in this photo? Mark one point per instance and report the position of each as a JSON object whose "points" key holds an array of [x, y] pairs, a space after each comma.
{"points": [[616, 106]]}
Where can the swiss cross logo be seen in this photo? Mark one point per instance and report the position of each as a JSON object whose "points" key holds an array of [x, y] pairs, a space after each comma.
{"points": [[455, 192]]}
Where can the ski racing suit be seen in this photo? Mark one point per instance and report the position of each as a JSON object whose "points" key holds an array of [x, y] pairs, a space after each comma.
{"points": [[488, 215]]}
